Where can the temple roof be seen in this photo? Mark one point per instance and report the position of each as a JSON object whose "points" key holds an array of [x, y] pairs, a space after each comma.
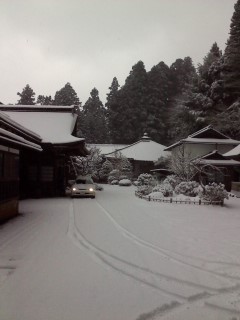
{"points": [[207, 135]]}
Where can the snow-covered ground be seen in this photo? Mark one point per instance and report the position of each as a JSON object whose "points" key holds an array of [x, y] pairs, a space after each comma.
{"points": [[118, 257]]}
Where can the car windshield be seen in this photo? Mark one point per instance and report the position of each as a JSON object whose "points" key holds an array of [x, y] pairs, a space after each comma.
{"points": [[84, 181]]}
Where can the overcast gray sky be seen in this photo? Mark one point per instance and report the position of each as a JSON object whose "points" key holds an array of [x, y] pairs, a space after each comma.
{"points": [[47, 43]]}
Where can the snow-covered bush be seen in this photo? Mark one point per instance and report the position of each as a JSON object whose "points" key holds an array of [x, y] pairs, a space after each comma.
{"points": [[165, 188], [114, 182], [214, 192], [188, 188], [156, 195], [136, 183], [113, 175], [125, 182], [122, 164], [144, 190], [145, 179], [123, 177], [105, 170], [173, 180]]}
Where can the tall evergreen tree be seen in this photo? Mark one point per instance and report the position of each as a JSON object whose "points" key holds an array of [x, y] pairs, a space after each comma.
{"points": [[159, 93], [213, 56], [27, 96], [66, 96], [94, 127], [113, 108], [231, 66], [133, 98], [183, 73], [44, 100], [180, 118]]}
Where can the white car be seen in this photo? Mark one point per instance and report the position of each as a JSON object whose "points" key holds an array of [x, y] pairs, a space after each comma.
{"points": [[83, 187]]}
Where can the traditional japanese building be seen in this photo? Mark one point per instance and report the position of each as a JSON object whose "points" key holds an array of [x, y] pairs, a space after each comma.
{"points": [[44, 139], [142, 154], [14, 141], [208, 147]]}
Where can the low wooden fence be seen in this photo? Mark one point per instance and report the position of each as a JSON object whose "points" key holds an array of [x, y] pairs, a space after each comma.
{"points": [[181, 201]]}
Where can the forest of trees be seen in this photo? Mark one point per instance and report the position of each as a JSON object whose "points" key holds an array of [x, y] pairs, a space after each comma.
{"points": [[167, 102]]}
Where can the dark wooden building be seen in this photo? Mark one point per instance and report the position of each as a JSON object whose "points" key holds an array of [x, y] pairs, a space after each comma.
{"points": [[14, 141], [44, 140]]}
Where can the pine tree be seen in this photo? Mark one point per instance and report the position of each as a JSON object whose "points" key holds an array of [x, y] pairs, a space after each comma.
{"points": [[44, 100], [231, 66], [213, 56], [159, 93], [183, 74], [27, 96], [133, 99], [94, 127], [113, 111], [66, 96]]}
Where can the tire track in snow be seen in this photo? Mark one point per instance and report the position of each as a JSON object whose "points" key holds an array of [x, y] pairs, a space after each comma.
{"points": [[104, 254], [100, 257], [166, 253]]}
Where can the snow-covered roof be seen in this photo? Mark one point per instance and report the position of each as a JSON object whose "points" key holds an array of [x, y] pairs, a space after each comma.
{"points": [[234, 152], [217, 162], [143, 150], [217, 159], [52, 127], [16, 139], [208, 131], [207, 135], [5, 117], [106, 148], [34, 107]]}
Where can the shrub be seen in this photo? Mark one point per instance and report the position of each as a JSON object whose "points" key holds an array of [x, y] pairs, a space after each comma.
{"points": [[165, 188], [105, 170], [214, 192], [113, 175], [156, 195], [114, 182], [125, 182], [188, 188], [173, 180], [136, 183], [123, 177], [145, 179], [144, 190]]}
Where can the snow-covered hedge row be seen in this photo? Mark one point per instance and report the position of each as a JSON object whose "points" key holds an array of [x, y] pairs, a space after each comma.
{"points": [[172, 186]]}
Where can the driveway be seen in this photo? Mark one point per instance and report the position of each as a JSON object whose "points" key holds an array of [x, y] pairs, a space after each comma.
{"points": [[119, 257]]}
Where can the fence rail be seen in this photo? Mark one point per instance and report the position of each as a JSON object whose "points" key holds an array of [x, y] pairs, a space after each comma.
{"points": [[181, 201]]}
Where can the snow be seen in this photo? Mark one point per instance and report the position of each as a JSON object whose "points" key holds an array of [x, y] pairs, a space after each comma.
{"points": [[37, 106], [14, 124], [52, 127], [226, 162], [120, 257], [106, 148], [211, 140], [9, 136], [143, 150], [204, 141], [234, 152]]}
